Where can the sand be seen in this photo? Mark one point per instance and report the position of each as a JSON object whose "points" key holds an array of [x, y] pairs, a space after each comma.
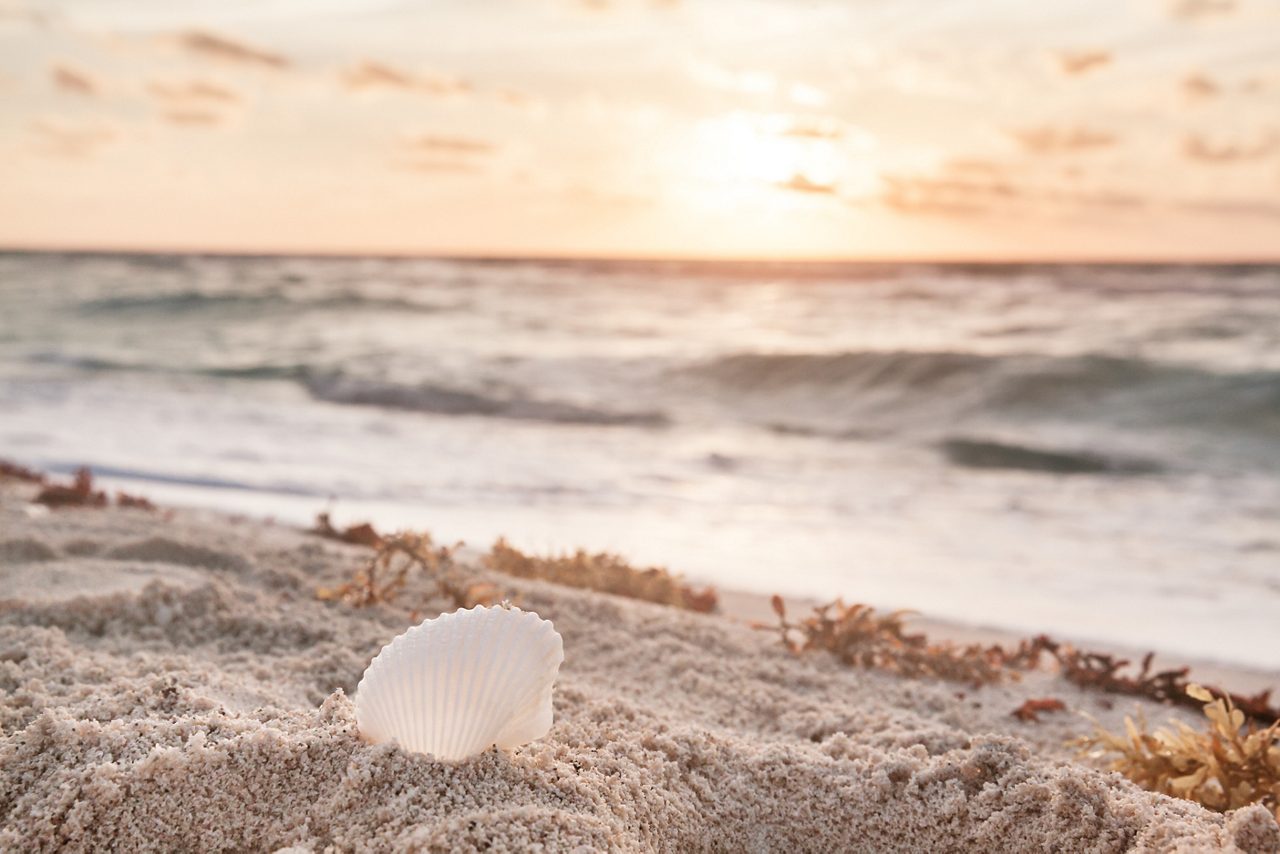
{"points": [[168, 681]]}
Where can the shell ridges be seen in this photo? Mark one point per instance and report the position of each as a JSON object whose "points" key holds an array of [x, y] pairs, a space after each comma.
{"points": [[462, 682]]}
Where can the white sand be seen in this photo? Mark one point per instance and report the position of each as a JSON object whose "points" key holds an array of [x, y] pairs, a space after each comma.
{"points": [[170, 682]]}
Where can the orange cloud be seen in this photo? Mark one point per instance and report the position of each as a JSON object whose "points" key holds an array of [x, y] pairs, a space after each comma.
{"points": [[192, 117], [375, 75], [192, 91], [814, 130], [1057, 140], [971, 165], [982, 187], [456, 145], [1076, 62], [1234, 207], [219, 47], [944, 195], [1198, 147], [1198, 85], [1194, 9], [71, 80], [439, 167], [66, 139], [802, 184]]}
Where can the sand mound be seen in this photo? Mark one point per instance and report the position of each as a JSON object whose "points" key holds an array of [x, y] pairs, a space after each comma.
{"points": [[175, 705]]}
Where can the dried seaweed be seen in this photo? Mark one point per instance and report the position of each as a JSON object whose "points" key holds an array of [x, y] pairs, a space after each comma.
{"points": [[1232, 764], [604, 572], [137, 502], [363, 534], [385, 575], [14, 471], [1031, 709], [1104, 672], [79, 494], [860, 637]]}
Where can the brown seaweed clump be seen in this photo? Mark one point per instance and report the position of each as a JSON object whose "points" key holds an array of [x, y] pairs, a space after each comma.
{"points": [[859, 636], [1231, 764], [1031, 709], [362, 534], [605, 572], [1109, 673], [385, 575], [79, 494], [13, 471]]}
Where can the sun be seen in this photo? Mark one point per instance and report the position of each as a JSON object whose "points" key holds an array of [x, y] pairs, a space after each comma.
{"points": [[742, 151]]}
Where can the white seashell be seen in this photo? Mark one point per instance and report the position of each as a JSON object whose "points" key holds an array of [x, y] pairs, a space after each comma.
{"points": [[456, 685]]}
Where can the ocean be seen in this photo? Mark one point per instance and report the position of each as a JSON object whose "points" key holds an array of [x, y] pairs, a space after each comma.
{"points": [[1088, 451]]}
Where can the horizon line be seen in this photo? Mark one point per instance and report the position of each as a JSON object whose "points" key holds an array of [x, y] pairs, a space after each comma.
{"points": [[549, 258]]}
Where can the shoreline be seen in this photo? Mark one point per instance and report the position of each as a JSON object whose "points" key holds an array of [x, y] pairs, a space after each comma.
{"points": [[748, 606]]}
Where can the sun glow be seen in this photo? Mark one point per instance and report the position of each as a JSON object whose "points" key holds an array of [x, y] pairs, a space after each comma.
{"points": [[742, 150]]}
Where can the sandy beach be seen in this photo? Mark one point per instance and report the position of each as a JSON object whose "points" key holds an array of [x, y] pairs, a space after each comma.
{"points": [[170, 681]]}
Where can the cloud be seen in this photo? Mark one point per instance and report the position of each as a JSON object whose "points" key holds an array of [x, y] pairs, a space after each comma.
{"points": [[69, 79], [1077, 62], [944, 195], [438, 167], [19, 12], [192, 91], [973, 187], [1258, 208], [214, 46], [1058, 140], [69, 139], [1198, 85], [817, 130], [515, 98], [800, 183], [431, 153], [1200, 148], [376, 75], [973, 165], [450, 145], [1189, 10], [193, 117]]}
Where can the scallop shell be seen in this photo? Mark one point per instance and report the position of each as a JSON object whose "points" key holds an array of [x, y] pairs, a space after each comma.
{"points": [[456, 685]]}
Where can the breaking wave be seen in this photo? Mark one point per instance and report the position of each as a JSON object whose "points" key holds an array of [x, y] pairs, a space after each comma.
{"points": [[196, 301], [442, 400], [1093, 387], [986, 454]]}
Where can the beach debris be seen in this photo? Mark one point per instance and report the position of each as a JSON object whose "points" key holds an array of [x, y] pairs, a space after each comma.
{"points": [[137, 502], [454, 686], [1103, 672], [1231, 764], [1031, 709], [79, 494], [605, 572], [362, 534], [859, 636], [14, 471], [384, 576]]}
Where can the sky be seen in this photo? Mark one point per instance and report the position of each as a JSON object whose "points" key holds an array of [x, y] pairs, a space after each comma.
{"points": [[833, 129]]}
